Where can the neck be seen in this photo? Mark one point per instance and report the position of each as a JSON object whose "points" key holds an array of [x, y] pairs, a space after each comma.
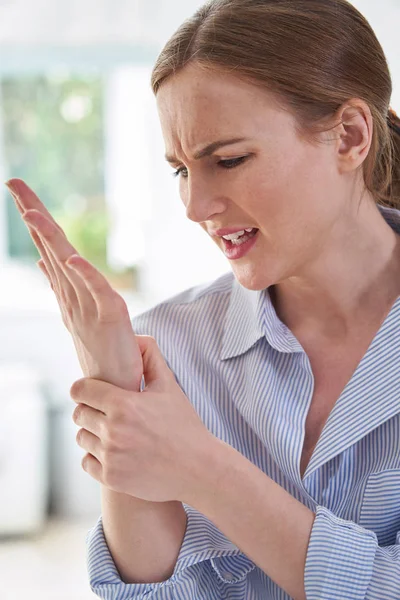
{"points": [[352, 283]]}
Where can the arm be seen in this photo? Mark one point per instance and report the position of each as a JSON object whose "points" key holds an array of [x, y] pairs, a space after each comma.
{"points": [[270, 526], [313, 556], [144, 538]]}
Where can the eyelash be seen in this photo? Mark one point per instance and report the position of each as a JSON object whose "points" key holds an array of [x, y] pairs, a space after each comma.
{"points": [[233, 162]]}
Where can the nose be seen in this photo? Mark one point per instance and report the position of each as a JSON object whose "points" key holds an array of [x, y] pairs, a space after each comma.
{"points": [[202, 200]]}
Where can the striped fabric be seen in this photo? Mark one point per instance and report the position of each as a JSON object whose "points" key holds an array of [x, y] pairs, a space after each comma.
{"points": [[251, 383]]}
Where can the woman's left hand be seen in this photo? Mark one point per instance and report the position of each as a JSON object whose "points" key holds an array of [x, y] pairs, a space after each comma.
{"points": [[150, 444]]}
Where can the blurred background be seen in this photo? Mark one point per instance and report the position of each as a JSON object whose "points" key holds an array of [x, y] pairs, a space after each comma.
{"points": [[78, 123]]}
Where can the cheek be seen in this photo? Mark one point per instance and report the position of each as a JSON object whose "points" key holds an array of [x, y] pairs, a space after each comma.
{"points": [[286, 211], [270, 199], [287, 194]]}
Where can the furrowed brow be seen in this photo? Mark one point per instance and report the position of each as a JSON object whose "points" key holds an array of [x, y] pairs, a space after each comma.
{"points": [[210, 149]]}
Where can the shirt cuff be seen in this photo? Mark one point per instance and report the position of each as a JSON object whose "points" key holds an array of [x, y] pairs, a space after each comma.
{"points": [[202, 542], [340, 558]]}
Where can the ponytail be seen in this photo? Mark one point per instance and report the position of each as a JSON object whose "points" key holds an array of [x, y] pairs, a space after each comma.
{"points": [[393, 121]]}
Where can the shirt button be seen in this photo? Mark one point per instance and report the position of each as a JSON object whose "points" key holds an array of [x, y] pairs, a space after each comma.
{"points": [[228, 576]]}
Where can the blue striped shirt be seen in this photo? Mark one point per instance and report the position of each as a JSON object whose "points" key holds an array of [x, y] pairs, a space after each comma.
{"points": [[251, 383]]}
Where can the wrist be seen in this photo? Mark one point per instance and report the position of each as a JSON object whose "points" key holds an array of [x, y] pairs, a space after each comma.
{"points": [[209, 479]]}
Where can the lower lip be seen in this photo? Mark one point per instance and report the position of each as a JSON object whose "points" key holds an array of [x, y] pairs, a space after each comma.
{"points": [[234, 252]]}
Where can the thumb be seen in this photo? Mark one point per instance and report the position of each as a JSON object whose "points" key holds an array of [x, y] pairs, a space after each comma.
{"points": [[155, 368]]}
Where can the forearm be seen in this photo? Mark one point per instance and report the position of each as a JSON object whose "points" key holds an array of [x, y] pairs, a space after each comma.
{"points": [[144, 538], [270, 526]]}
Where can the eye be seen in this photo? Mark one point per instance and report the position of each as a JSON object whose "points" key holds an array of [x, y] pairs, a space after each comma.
{"points": [[178, 172], [229, 163]]}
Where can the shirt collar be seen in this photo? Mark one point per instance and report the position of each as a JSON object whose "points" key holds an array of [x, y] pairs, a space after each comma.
{"points": [[251, 314]]}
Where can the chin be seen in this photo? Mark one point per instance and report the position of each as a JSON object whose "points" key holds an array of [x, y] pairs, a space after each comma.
{"points": [[251, 278]]}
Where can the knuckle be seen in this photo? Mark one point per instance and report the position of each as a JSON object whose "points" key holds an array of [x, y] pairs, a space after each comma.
{"points": [[56, 290], [120, 414], [77, 413], [77, 389], [148, 343], [106, 316], [152, 344], [52, 234], [118, 302], [66, 301], [119, 408], [69, 311], [113, 308], [61, 294], [149, 339], [65, 318], [110, 440]]}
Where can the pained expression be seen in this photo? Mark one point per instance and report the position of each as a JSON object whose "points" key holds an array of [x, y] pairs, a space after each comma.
{"points": [[274, 181]]}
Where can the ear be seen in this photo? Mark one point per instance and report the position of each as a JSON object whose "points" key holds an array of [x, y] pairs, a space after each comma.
{"points": [[355, 134]]}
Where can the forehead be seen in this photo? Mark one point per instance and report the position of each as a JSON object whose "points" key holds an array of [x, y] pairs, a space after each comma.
{"points": [[197, 104]]}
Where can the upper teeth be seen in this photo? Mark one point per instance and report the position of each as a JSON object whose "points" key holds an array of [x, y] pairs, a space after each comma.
{"points": [[235, 236]]}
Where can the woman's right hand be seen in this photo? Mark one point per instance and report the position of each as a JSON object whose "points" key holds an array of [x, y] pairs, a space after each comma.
{"points": [[93, 312]]}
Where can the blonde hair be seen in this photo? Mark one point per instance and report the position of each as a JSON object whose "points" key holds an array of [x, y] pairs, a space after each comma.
{"points": [[314, 55]]}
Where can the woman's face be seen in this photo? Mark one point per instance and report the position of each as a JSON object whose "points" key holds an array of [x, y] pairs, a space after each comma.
{"points": [[289, 190]]}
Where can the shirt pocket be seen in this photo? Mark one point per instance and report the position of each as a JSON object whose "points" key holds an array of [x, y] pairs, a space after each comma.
{"points": [[380, 508]]}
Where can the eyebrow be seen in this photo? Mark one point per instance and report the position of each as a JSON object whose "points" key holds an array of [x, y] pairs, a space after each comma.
{"points": [[210, 149]]}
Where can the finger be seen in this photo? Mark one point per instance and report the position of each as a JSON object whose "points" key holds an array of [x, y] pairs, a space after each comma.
{"points": [[93, 467], [13, 188], [45, 261], [59, 285], [58, 250], [89, 442], [40, 263], [89, 418], [26, 199], [77, 289], [155, 369], [50, 233], [98, 394], [46, 266], [110, 305], [42, 267]]}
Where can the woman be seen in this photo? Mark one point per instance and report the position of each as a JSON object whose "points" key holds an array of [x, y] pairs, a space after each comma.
{"points": [[284, 482]]}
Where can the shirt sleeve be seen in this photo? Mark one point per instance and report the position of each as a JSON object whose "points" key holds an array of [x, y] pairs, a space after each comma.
{"points": [[206, 564], [344, 560]]}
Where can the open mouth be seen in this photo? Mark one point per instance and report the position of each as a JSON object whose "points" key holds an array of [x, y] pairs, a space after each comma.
{"points": [[239, 245], [237, 240]]}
